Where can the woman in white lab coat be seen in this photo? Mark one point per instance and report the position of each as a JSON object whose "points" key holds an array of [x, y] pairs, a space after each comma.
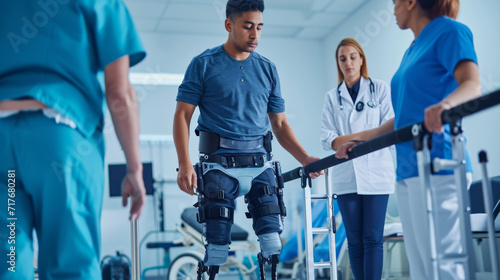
{"points": [[363, 185]]}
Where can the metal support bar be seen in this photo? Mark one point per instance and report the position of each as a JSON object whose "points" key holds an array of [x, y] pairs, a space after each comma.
{"points": [[310, 231], [458, 151], [488, 207], [421, 145], [136, 270], [331, 225]]}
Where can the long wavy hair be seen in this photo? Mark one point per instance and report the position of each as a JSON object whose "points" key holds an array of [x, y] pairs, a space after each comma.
{"points": [[355, 44]]}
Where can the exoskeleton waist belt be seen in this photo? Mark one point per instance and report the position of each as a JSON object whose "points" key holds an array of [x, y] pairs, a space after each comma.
{"points": [[236, 160], [211, 142]]}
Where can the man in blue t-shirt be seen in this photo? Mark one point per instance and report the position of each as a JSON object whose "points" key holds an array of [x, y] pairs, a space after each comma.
{"points": [[238, 93]]}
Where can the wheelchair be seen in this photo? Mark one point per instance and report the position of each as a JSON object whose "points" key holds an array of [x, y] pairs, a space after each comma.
{"points": [[185, 265]]}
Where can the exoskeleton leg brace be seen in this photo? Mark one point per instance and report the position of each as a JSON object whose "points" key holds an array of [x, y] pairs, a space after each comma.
{"points": [[217, 189]]}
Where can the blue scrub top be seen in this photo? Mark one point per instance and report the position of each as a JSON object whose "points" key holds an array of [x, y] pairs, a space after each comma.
{"points": [[424, 78], [53, 50], [234, 96]]}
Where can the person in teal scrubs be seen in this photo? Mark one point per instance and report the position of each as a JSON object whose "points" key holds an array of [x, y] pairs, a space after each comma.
{"points": [[51, 122]]}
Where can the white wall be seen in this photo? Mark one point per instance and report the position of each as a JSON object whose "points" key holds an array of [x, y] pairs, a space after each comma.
{"points": [[384, 43], [303, 80]]}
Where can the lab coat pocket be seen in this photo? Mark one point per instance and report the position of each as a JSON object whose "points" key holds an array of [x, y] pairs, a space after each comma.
{"points": [[381, 166], [343, 173], [372, 117]]}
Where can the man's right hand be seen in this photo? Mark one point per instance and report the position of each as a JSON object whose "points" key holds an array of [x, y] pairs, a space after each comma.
{"points": [[133, 187], [186, 179]]}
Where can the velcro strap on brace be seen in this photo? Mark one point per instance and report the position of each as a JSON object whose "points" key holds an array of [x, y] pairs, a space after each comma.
{"points": [[267, 190], [238, 160], [263, 210], [219, 212], [255, 193], [219, 195]]}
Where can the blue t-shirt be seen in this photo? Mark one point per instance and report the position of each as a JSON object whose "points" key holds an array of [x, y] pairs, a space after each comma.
{"points": [[234, 96], [52, 51], [424, 78]]}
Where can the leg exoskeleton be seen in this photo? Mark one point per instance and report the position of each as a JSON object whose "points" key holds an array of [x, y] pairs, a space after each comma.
{"points": [[218, 186]]}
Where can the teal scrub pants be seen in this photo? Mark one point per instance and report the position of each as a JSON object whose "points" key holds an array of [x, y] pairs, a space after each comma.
{"points": [[59, 176]]}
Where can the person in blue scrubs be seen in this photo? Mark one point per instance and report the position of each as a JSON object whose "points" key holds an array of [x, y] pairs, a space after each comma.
{"points": [[438, 71], [363, 185], [238, 93], [51, 123]]}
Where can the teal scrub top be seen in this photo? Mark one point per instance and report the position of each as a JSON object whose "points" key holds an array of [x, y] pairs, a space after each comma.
{"points": [[53, 50]]}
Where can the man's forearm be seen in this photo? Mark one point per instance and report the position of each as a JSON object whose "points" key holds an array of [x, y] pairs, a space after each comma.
{"points": [[288, 140], [181, 139]]}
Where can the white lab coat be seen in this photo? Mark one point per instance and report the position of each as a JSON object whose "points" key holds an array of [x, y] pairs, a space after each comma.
{"points": [[370, 174]]}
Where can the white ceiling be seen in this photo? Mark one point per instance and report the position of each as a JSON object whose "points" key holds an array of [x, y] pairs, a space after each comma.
{"points": [[305, 19]]}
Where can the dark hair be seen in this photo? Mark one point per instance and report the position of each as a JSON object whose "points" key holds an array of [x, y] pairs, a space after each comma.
{"points": [[438, 8], [235, 8]]}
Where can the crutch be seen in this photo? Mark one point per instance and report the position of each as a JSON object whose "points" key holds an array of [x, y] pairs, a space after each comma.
{"points": [[135, 250], [310, 231], [422, 147], [488, 207]]}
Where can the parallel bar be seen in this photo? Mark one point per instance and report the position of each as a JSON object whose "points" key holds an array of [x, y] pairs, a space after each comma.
{"points": [[471, 107], [398, 136]]}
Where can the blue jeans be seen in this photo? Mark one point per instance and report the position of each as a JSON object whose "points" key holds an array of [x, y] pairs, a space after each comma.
{"points": [[364, 217]]}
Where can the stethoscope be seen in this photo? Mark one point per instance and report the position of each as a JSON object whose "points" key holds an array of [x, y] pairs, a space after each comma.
{"points": [[360, 105]]}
